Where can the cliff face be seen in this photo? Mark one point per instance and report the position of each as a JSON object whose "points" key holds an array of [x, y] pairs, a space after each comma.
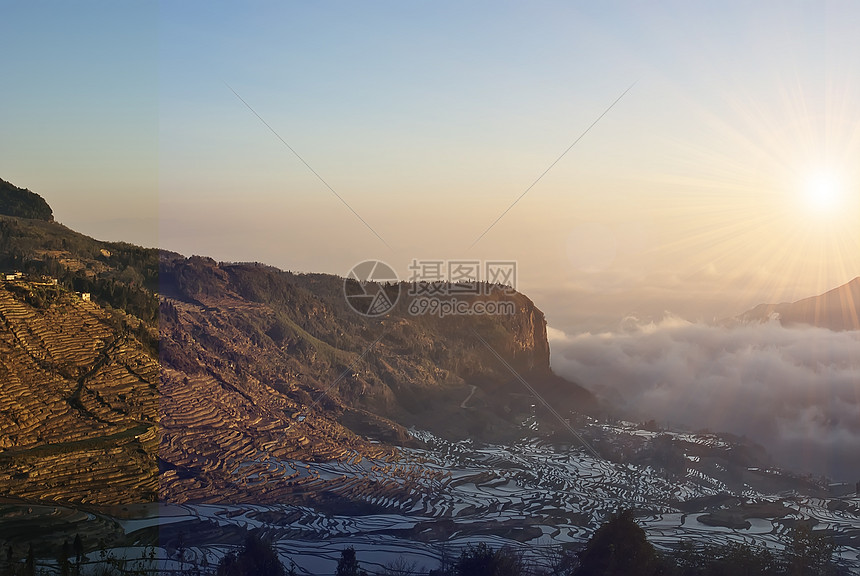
{"points": [[398, 366], [529, 336]]}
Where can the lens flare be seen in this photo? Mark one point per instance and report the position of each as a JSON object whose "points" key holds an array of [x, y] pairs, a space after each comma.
{"points": [[823, 193]]}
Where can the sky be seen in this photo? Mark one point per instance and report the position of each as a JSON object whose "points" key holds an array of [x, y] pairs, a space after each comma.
{"points": [[298, 134]]}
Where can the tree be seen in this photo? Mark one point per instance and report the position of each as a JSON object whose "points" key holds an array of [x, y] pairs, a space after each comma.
{"points": [[475, 561], [180, 547], [78, 548], [257, 558], [348, 564], [744, 560], [481, 560], [63, 560], [558, 562], [9, 569], [619, 547], [732, 559], [400, 567], [22, 203], [30, 563], [810, 553]]}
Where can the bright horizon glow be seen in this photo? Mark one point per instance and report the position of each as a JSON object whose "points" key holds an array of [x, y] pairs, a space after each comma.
{"points": [[823, 192]]}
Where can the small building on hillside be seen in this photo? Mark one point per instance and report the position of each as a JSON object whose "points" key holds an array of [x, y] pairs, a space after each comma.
{"points": [[85, 296]]}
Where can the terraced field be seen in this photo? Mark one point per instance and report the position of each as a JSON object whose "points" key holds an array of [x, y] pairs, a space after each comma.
{"points": [[78, 404], [533, 495], [220, 443]]}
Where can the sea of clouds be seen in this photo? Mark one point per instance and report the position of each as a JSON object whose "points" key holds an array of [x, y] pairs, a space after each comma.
{"points": [[795, 391]]}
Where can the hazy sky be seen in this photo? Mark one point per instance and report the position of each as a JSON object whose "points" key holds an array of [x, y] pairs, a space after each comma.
{"points": [[430, 118]]}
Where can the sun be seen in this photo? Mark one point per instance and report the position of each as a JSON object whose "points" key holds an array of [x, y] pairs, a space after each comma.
{"points": [[823, 192]]}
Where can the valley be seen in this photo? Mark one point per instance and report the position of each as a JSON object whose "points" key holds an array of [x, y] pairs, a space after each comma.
{"points": [[538, 496], [160, 407]]}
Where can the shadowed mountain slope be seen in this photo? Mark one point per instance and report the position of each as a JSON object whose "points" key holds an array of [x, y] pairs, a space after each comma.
{"points": [[837, 309], [22, 203]]}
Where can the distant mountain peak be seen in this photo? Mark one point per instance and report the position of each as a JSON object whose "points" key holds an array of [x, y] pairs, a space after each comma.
{"points": [[837, 309], [22, 203]]}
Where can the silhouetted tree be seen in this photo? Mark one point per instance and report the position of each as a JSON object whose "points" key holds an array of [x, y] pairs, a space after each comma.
{"points": [[475, 561], [257, 558], [9, 568], [400, 567], [63, 560], [180, 547], [810, 553], [78, 548], [481, 560], [733, 559], [619, 547], [30, 563], [348, 564]]}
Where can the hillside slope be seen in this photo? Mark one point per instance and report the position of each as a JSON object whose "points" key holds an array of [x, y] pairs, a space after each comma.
{"points": [[264, 365], [79, 401], [22, 203], [190, 380], [837, 309]]}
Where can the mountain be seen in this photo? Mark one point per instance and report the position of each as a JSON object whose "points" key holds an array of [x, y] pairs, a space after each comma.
{"points": [[79, 369], [148, 399], [22, 203], [837, 309], [186, 371], [118, 275], [247, 343]]}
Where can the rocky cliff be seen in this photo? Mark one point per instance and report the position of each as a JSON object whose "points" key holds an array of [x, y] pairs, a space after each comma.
{"points": [[296, 333]]}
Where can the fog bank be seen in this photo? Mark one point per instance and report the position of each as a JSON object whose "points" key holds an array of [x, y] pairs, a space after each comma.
{"points": [[796, 391]]}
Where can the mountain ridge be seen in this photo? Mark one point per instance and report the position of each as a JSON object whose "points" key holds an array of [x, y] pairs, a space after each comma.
{"points": [[21, 202], [837, 309]]}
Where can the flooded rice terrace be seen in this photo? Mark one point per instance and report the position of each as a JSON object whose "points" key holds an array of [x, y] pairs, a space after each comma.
{"points": [[534, 496]]}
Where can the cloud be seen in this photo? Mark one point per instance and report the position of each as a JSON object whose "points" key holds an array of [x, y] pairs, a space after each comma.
{"points": [[796, 391]]}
